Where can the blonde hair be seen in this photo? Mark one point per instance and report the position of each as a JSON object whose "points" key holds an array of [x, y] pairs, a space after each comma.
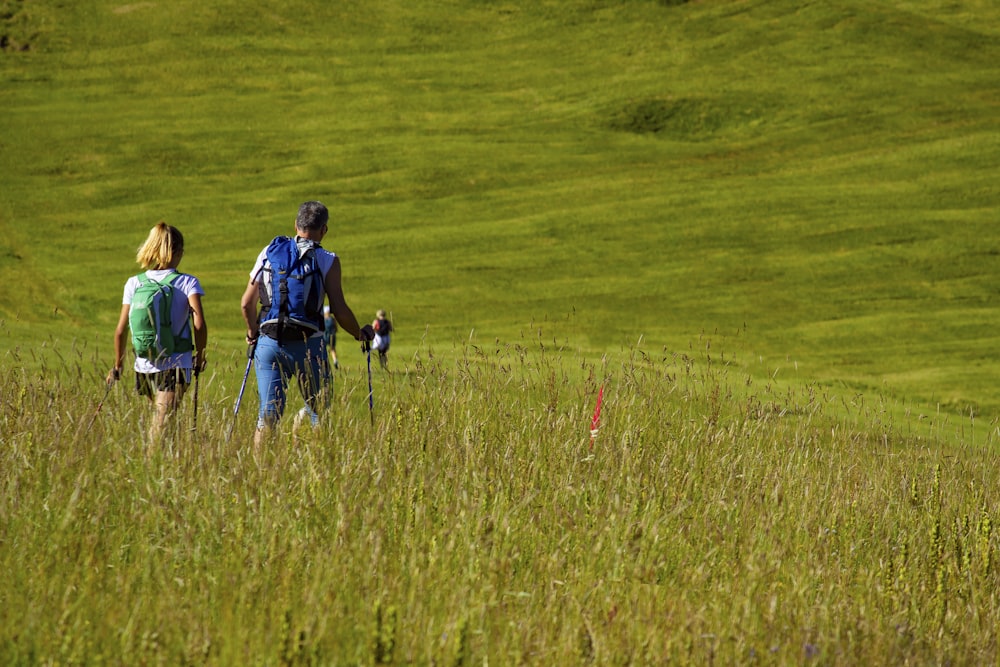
{"points": [[162, 247]]}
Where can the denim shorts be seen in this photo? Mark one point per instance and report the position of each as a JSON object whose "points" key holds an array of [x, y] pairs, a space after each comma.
{"points": [[275, 362]]}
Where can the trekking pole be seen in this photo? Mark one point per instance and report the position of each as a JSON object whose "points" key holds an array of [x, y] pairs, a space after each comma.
{"points": [[100, 405], [194, 424], [195, 370], [239, 399], [366, 347]]}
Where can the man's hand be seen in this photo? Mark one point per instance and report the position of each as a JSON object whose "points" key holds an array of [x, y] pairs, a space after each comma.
{"points": [[367, 334], [114, 375]]}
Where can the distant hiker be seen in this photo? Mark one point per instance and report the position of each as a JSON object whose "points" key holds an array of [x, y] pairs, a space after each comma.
{"points": [[290, 279], [330, 335], [162, 309], [382, 327]]}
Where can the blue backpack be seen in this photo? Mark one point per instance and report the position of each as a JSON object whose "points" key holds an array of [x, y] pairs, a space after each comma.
{"points": [[291, 291]]}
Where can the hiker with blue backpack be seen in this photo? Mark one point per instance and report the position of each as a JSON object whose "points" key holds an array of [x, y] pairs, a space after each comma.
{"points": [[162, 309], [290, 280]]}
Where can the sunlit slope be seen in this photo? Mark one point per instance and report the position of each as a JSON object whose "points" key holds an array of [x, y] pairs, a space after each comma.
{"points": [[816, 181]]}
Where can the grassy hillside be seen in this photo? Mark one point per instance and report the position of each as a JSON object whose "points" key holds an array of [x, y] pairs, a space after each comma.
{"points": [[766, 229], [816, 180]]}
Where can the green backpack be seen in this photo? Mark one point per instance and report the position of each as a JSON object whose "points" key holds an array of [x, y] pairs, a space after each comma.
{"points": [[149, 319]]}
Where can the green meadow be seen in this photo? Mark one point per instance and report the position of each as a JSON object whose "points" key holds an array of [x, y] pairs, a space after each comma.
{"points": [[767, 229], [816, 181]]}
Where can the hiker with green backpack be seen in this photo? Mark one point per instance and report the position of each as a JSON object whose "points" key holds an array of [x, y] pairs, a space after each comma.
{"points": [[161, 307]]}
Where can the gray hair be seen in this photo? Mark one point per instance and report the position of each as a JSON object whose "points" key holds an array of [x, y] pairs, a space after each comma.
{"points": [[312, 216]]}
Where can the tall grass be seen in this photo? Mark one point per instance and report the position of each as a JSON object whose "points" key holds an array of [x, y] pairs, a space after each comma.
{"points": [[714, 518]]}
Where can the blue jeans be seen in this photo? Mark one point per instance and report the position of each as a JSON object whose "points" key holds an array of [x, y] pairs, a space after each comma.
{"points": [[275, 362]]}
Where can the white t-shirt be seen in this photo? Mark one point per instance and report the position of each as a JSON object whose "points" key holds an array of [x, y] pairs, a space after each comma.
{"points": [[180, 311], [324, 258]]}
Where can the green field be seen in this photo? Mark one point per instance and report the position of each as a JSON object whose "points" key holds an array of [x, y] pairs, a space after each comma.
{"points": [[820, 181], [783, 213]]}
